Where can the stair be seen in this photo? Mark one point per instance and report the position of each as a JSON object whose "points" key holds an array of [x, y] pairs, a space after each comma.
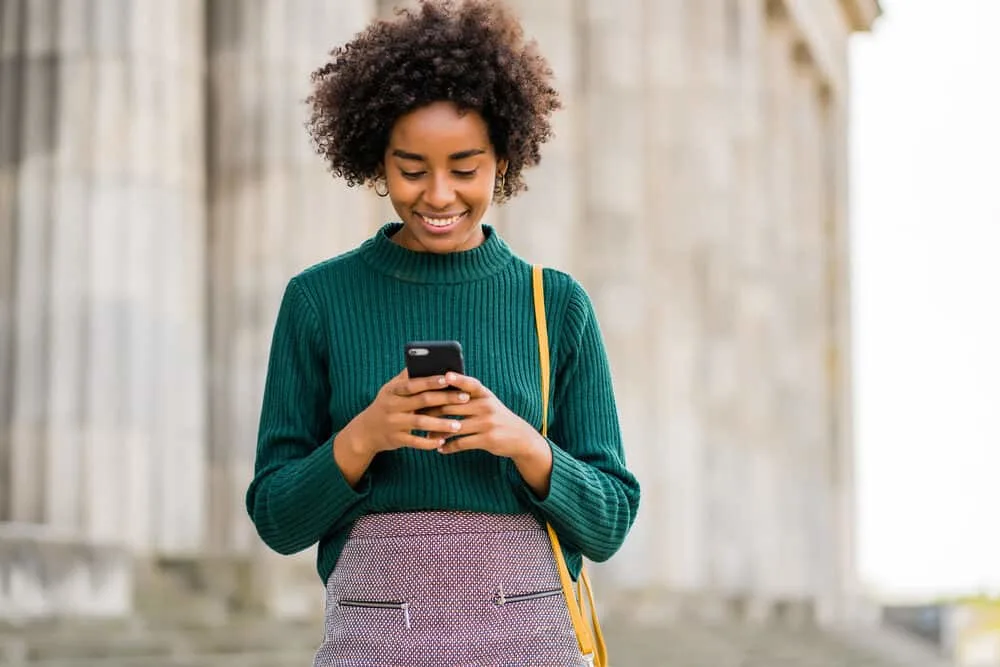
{"points": [[257, 642], [198, 613]]}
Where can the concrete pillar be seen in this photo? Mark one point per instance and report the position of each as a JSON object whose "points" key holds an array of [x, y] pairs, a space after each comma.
{"points": [[31, 51], [839, 352], [10, 143], [714, 217], [675, 482], [273, 211], [785, 545], [812, 304], [610, 237], [99, 438], [542, 223], [135, 184], [796, 112], [751, 260], [103, 209]]}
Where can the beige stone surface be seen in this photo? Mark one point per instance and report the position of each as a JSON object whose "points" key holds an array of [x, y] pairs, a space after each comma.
{"points": [[272, 211], [106, 395], [157, 189]]}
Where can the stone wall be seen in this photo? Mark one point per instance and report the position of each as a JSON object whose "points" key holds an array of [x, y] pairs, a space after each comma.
{"points": [[157, 189]]}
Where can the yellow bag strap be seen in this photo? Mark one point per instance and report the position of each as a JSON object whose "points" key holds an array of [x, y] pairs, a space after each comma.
{"points": [[543, 341], [573, 601]]}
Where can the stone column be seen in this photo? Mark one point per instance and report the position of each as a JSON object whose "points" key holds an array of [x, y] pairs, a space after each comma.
{"points": [[749, 200], [780, 566], [129, 226], [84, 387], [31, 61], [609, 231], [674, 483], [715, 216], [10, 147], [812, 303], [273, 211], [543, 223], [839, 352], [105, 211]]}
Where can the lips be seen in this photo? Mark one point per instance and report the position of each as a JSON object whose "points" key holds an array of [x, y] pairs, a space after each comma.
{"points": [[441, 223]]}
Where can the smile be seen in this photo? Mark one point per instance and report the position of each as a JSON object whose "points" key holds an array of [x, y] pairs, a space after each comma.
{"points": [[439, 221]]}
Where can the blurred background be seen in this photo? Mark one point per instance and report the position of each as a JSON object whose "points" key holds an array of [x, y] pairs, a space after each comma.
{"points": [[785, 211]]}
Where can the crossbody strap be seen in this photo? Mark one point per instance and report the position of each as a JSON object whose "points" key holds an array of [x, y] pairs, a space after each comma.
{"points": [[583, 633]]}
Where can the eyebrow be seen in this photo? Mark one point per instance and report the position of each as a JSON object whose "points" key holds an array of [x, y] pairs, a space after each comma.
{"points": [[460, 155]]}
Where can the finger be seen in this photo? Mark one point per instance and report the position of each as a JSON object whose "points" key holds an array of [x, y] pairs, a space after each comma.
{"points": [[431, 441], [435, 424], [473, 426], [465, 409], [394, 382], [413, 386], [468, 384], [461, 444], [430, 399]]}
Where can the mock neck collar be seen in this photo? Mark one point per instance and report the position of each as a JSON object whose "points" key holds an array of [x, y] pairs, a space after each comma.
{"points": [[392, 259]]}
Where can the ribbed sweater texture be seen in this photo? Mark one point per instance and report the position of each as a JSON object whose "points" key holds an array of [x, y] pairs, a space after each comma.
{"points": [[339, 338]]}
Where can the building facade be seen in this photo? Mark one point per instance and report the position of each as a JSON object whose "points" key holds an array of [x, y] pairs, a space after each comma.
{"points": [[158, 189]]}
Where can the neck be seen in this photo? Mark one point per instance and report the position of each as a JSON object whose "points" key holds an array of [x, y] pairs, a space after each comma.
{"points": [[385, 253], [407, 239]]}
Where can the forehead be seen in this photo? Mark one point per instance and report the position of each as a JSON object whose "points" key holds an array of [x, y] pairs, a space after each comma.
{"points": [[439, 129]]}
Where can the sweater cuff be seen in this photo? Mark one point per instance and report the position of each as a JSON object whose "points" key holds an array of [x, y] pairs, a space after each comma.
{"points": [[327, 487], [560, 500]]}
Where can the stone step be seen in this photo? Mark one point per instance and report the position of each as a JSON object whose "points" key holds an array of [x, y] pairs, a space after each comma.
{"points": [[260, 642], [96, 642], [44, 571], [259, 659], [748, 645]]}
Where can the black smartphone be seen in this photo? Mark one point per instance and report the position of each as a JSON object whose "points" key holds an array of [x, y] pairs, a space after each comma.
{"points": [[434, 357]]}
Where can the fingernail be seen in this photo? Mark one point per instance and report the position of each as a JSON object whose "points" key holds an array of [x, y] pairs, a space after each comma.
{"points": [[450, 376], [442, 381], [463, 397], [456, 426]]}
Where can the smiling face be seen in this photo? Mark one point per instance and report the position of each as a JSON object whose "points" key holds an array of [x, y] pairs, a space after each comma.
{"points": [[441, 170]]}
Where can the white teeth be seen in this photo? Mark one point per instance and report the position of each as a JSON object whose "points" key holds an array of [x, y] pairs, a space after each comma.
{"points": [[441, 222]]}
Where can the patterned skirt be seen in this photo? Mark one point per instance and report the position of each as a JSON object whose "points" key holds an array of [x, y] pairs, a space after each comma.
{"points": [[447, 589]]}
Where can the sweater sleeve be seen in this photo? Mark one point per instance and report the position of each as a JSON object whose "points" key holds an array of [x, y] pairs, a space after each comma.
{"points": [[593, 498], [298, 493]]}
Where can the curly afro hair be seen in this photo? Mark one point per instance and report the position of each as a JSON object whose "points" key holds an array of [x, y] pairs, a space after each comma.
{"points": [[472, 54]]}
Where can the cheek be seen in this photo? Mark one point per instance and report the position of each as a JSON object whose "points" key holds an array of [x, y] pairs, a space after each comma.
{"points": [[479, 193], [402, 192]]}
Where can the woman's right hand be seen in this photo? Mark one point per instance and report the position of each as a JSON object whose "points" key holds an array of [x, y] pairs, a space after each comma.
{"points": [[388, 423]]}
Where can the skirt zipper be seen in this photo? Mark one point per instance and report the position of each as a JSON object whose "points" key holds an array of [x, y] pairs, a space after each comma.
{"points": [[502, 598], [367, 604]]}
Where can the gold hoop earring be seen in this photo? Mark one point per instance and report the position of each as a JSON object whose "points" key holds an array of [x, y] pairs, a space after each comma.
{"points": [[500, 183], [381, 193]]}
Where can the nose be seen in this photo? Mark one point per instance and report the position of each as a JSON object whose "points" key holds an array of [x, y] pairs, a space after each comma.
{"points": [[440, 192]]}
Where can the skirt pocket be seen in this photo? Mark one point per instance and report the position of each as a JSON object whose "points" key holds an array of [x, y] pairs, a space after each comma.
{"points": [[386, 606], [501, 598]]}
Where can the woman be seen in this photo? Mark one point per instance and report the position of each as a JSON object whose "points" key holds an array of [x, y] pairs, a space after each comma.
{"points": [[431, 546]]}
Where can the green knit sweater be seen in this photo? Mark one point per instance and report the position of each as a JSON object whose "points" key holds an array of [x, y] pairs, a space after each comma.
{"points": [[339, 337]]}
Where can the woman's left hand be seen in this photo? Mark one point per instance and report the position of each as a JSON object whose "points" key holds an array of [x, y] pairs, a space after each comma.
{"points": [[487, 423]]}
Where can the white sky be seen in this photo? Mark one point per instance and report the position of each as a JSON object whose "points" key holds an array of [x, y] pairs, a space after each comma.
{"points": [[926, 224]]}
